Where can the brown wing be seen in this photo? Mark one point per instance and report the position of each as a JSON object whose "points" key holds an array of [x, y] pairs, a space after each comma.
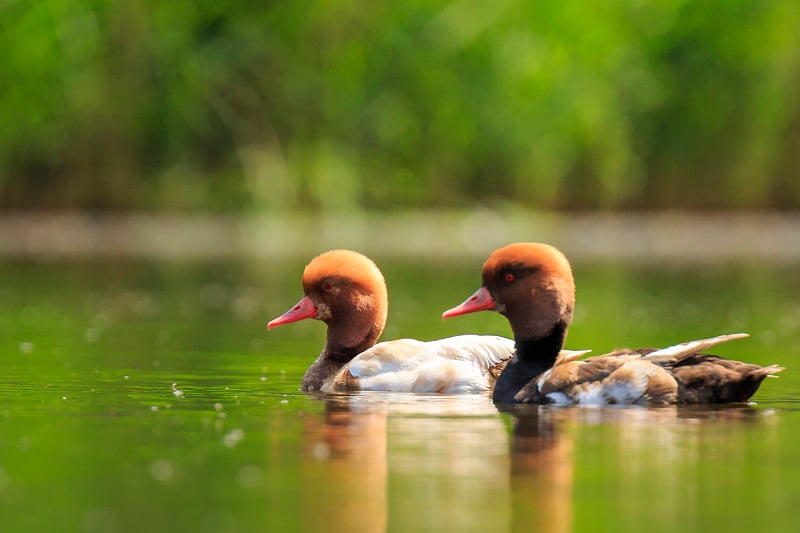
{"points": [[572, 374], [710, 379]]}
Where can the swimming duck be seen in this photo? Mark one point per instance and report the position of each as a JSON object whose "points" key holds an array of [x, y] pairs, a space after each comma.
{"points": [[532, 285], [347, 291]]}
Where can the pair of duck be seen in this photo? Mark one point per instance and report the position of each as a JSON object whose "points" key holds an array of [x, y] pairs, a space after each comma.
{"points": [[532, 285]]}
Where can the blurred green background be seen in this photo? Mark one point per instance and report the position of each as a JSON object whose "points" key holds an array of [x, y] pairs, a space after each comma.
{"points": [[267, 107]]}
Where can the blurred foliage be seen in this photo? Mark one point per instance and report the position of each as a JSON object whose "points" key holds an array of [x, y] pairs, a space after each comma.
{"points": [[335, 105]]}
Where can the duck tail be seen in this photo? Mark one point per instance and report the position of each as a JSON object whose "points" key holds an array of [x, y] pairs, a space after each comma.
{"points": [[768, 371]]}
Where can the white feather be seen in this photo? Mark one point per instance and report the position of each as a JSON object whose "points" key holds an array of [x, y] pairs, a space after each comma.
{"points": [[559, 398], [564, 356], [692, 347]]}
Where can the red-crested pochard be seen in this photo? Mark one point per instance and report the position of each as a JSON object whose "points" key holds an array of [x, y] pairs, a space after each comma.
{"points": [[346, 290], [532, 285]]}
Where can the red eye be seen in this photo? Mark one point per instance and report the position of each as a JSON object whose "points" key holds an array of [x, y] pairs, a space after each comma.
{"points": [[328, 286], [508, 278]]}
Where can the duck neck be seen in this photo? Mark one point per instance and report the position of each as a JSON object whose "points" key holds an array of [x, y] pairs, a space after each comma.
{"points": [[532, 357], [334, 356]]}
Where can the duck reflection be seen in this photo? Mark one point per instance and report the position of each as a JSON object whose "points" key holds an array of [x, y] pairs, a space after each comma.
{"points": [[442, 459], [416, 462], [344, 469], [449, 468], [628, 458], [541, 471]]}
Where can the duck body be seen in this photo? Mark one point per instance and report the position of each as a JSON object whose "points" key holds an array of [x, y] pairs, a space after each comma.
{"points": [[462, 364], [347, 291], [678, 374], [532, 285]]}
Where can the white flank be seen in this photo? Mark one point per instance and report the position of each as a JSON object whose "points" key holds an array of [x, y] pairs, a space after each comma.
{"points": [[559, 398], [612, 391], [453, 365], [617, 388]]}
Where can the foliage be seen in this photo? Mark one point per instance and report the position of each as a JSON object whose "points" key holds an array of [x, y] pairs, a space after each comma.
{"points": [[337, 105]]}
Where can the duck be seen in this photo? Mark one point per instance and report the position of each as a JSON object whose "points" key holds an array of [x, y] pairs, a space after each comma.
{"points": [[347, 291], [532, 285]]}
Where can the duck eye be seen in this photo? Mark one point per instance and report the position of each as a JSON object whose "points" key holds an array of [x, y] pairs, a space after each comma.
{"points": [[328, 286], [508, 277]]}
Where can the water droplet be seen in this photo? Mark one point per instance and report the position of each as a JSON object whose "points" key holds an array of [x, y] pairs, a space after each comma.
{"points": [[162, 470], [233, 437]]}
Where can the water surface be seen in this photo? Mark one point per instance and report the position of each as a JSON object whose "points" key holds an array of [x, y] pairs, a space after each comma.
{"points": [[148, 396]]}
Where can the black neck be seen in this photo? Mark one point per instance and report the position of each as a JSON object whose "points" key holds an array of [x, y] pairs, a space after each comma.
{"points": [[329, 362], [340, 354], [545, 349], [531, 358], [334, 356], [342, 344]]}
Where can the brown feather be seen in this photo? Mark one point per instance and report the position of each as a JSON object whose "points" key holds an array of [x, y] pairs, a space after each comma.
{"points": [[345, 382], [496, 369], [710, 379]]}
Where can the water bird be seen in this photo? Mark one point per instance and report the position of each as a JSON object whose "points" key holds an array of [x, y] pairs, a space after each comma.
{"points": [[347, 291], [531, 284]]}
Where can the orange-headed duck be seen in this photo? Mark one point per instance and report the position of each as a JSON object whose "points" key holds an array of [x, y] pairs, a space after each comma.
{"points": [[532, 285], [346, 290]]}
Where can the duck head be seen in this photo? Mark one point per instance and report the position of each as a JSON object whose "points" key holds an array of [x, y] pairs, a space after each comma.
{"points": [[531, 284], [346, 290]]}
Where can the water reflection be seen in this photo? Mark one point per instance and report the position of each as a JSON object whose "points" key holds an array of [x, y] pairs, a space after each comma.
{"points": [[374, 461], [443, 460], [570, 466], [344, 469], [541, 471]]}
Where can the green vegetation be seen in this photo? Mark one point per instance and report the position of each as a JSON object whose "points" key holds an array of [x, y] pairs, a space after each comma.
{"points": [[233, 105]]}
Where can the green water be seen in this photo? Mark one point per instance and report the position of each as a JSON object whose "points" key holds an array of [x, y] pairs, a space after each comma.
{"points": [[141, 396]]}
